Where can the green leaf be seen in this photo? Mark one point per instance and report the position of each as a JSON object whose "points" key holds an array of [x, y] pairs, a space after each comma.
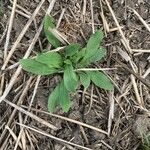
{"points": [[93, 44], [85, 79], [60, 95], [78, 56], [101, 80], [144, 147], [51, 59], [64, 97], [71, 49], [99, 54], [68, 62], [35, 67], [48, 23], [70, 78], [53, 99]]}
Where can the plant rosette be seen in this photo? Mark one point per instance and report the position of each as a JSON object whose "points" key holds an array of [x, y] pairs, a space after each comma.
{"points": [[67, 64]]}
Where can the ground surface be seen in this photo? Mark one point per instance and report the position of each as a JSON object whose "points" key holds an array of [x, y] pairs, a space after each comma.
{"points": [[123, 114]]}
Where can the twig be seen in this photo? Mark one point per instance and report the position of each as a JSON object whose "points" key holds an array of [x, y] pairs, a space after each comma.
{"points": [[64, 148], [31, 102], [3, 35], [72, 13], [127, 47], [13, 135], [84, 9], [15, 75], [84, 135], [9, 29], [23, 135], [60, 18], [21, 35], [92, 15], [132, 72], [118, 26], [141, 50], [73, 121], [30, 139], [20, 12], [105, 25], [91, 100], [108, 146], [55, 138], [42, 121], [147, 72], [148, 28], [21, 98], [21, 8], [140, 101], [111, 111], [91, 69], [52, 2], [140, 18], [95, 69]]}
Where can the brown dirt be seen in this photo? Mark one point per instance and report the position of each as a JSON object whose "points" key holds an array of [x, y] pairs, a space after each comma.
{"points": [[125, 134]]}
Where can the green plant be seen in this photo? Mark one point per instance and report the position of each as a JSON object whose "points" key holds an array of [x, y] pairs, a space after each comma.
{"points": [[67, 64], [145, 145]]}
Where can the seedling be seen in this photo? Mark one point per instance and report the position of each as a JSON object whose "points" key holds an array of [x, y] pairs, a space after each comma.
{"points": [[145, 144], [67, 64]]}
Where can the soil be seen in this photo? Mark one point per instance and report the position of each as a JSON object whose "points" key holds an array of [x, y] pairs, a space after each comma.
{"points": [[129, 117]]}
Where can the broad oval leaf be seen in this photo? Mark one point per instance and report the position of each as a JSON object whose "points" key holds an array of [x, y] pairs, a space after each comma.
{"points": [[64, 99], [99, 54], [70, 78], [71, 49], [85, 79], [53, 99], [48, 23], [93, 44], [35, 67], [101, 80], [51, 59]]}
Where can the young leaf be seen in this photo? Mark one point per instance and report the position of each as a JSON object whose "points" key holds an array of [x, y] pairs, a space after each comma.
{"points": [[52, 59], [70, 78], [78, 56], [101, 80], [93, 44], [68, 62], [53, 99], [99, 54], [48, 22], [85, 79], [35, 67], [64, 99], [71, 49]]}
